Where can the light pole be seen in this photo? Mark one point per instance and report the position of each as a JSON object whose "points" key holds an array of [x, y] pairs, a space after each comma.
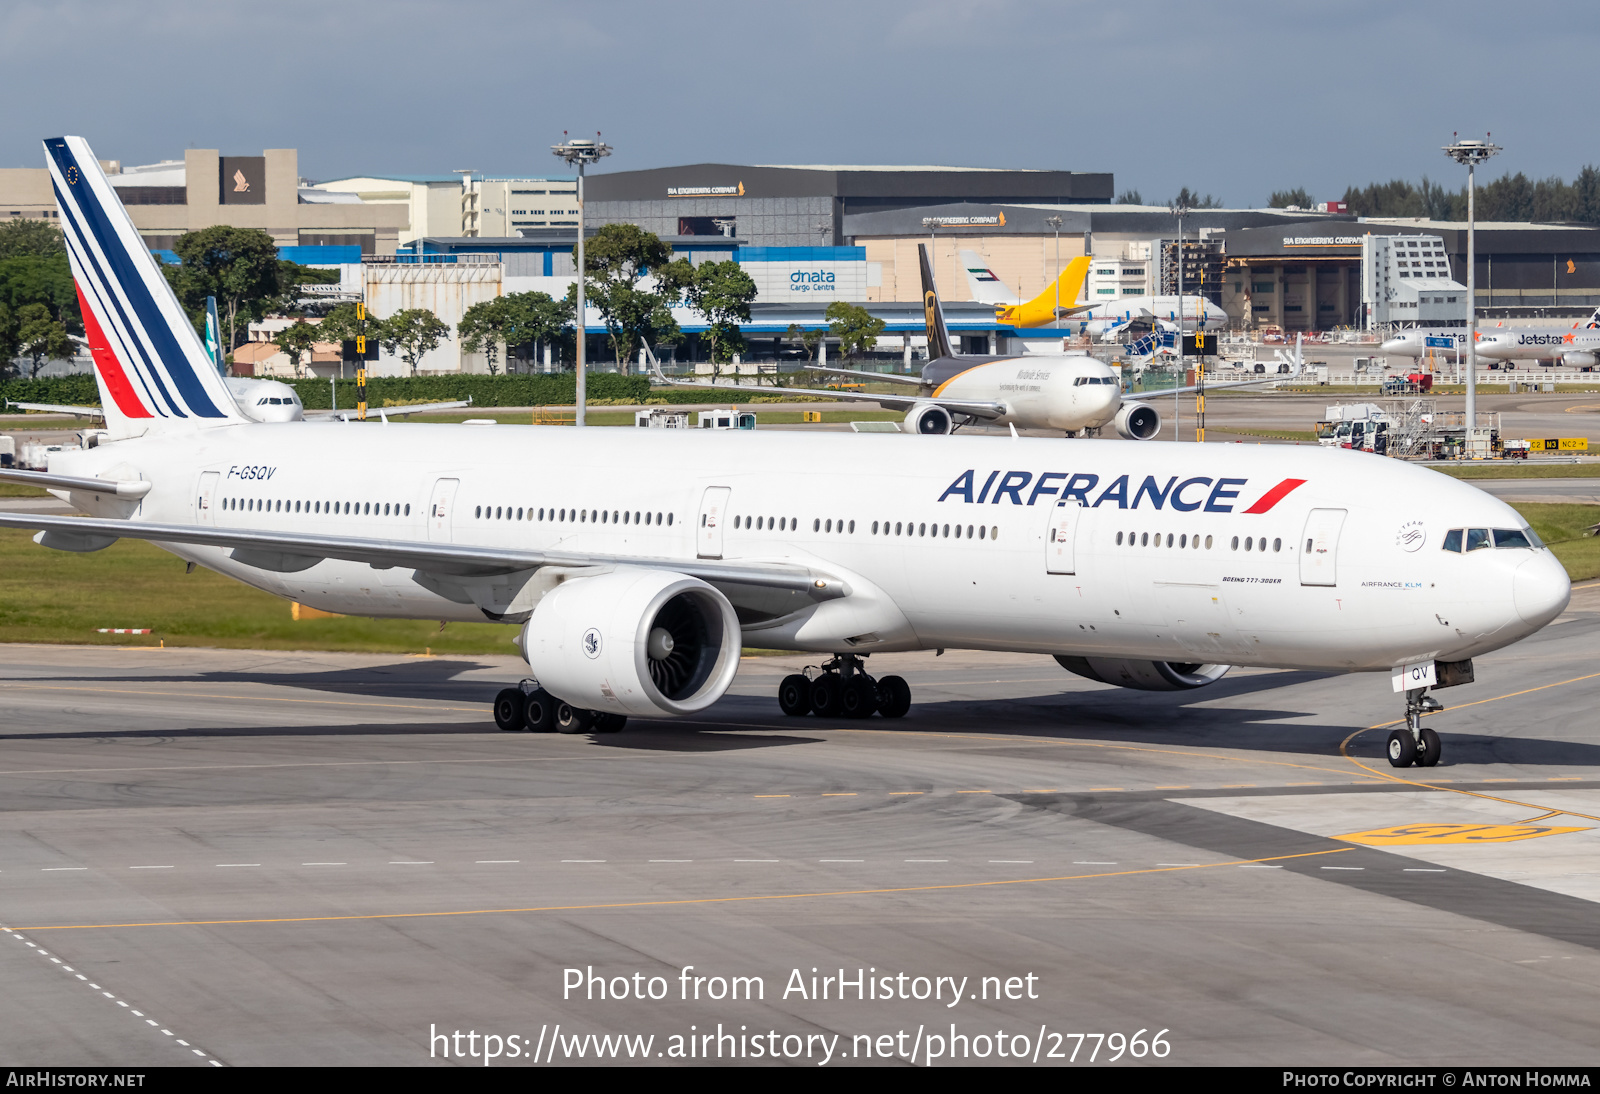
{"points": [[581, 153], [1055, 223], [1178, 209], [1471, 153]]}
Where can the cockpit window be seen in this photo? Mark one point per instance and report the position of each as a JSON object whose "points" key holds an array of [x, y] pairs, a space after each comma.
{"points": [[1452, 540], [1477, 537], [1510, 537]]}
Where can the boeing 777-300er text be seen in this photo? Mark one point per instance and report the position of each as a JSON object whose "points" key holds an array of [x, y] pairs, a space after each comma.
{"points": [[634, 564]]}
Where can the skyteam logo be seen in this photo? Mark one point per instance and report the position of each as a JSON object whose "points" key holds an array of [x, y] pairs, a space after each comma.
{"points": [[1201, 492]]}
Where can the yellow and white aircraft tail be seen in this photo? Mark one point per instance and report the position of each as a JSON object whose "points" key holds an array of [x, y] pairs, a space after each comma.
{"points": [[1041, 310]]}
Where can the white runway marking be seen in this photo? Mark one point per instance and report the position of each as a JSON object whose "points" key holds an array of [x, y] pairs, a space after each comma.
{"points": [[222, 864], [152, 867]]}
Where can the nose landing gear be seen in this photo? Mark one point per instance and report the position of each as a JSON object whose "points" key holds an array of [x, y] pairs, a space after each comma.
{"points": [[841, 688], [1413, 744]]}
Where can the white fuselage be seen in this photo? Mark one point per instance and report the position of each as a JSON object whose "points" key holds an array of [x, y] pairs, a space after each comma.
{"points": [[1414, 342], [1069, 392], [1192, 313], [1575, 347], [943, 541]]}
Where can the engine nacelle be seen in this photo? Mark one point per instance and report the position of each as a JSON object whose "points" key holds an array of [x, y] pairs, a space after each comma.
{"points": [[1137, 422], [1579, 359], [646, 643], [928, 418], [1144, 675]]}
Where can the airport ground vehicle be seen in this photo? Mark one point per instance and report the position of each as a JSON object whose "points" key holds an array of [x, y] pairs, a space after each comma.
{"points": [[637, 563]]}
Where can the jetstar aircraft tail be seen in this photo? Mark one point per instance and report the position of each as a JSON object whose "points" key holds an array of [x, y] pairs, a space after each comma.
{"points": [[153, 373], [1041, 310], [933, 313]]}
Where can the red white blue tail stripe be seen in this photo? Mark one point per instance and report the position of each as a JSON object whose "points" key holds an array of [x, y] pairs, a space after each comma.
{"points": [[148, 359]]}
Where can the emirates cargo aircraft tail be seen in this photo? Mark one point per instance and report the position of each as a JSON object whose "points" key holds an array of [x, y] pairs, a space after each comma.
{"points": [[152, 370]]}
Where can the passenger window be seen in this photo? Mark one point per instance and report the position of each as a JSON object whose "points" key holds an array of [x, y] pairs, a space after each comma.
{"points": [[1476, 538], [408, 509], [1208, 542], [874, 527], [1452, 540], [830, 526], [816, 524], [1119, 539], [994, 533], [1510, 537], [669, 519], [1236, 544], [1144, 540], [922, 529], [1277, 545], [983, 530], [897, 528], [969, 531], [852, 527], [1247, 541]]}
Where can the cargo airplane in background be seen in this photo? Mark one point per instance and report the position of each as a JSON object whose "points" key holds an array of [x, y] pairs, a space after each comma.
{"points": [[631, 565], [1107, 321], [1072, 392]]}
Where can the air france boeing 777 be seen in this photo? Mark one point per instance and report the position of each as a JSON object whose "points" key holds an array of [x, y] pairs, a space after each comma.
{"points": [[633, 564]]}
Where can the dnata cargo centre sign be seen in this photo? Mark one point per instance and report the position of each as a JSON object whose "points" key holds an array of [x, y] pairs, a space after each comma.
{"points": [[793, 274]]}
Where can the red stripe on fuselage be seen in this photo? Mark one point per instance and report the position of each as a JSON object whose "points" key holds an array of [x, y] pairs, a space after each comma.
{"points": [[1275, 495], [106, 363]]}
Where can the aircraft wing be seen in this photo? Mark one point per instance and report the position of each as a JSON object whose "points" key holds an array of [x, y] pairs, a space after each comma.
{"points": [[888, 402], [57, 408], [389, 411], [126, 488], [887, 377], [290, 552]]}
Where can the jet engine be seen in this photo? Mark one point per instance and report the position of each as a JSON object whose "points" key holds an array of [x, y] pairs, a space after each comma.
{"points": [[646, 643], [1580, 359], [1144, 675], [1137, 422], [928, 418]]}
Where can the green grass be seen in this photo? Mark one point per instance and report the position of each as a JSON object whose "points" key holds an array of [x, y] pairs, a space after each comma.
{"points": [[625, 417], [54, 596], [1516, 469], [18, 490], [1269, 434], [1563, 527]]}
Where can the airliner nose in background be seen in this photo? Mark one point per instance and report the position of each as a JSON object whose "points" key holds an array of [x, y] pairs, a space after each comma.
{"points": [[633, 570]]}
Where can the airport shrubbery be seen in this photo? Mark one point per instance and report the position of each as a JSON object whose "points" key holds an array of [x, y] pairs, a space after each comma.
{"points": [[69, 390], [559, 389]]}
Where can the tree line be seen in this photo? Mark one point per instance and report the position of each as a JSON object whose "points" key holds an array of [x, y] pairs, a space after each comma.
{"points": [[1509, 197]]}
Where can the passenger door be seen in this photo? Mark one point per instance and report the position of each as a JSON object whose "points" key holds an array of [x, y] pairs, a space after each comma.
{"points": [[441, 510], [1060, 542], [206, 500], [1319, 547], [713, 513]]}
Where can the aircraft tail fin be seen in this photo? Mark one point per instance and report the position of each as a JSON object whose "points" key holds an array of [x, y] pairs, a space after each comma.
{"points": [[933, 313], [1594, 320], [1042, 308], [987, 288], [153, 372]]}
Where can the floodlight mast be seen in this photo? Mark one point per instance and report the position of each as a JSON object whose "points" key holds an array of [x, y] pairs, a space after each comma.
{"points": [[580, 153], [1471, 153]]}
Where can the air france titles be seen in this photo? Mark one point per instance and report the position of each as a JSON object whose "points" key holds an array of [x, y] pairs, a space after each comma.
{"points": [[1186, 496]]}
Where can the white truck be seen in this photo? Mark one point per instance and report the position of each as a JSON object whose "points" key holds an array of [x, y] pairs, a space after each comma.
{"points": [[1354, 425]]}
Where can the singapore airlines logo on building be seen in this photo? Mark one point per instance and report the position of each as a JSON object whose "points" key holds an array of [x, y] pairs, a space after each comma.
{"points": [[241, 185]]}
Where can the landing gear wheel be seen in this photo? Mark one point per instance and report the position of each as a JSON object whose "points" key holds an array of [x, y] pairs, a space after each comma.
{"points": [[609, 723], [895, 697], [1431, 749], [508, 710], [538, 711], [1402, 748], [571, 719], [858, 698], [825, 697], [794, 696]]}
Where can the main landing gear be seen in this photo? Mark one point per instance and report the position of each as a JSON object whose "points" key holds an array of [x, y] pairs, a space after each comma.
{"points": [[1412, 744], [841, 688], [529, 707]]}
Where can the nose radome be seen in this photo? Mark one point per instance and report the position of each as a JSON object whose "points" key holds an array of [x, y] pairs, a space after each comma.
{"points": [[1540, 589]]}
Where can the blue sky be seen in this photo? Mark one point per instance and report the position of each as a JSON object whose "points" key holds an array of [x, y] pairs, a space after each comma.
{"points": [[1234, 99]]}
